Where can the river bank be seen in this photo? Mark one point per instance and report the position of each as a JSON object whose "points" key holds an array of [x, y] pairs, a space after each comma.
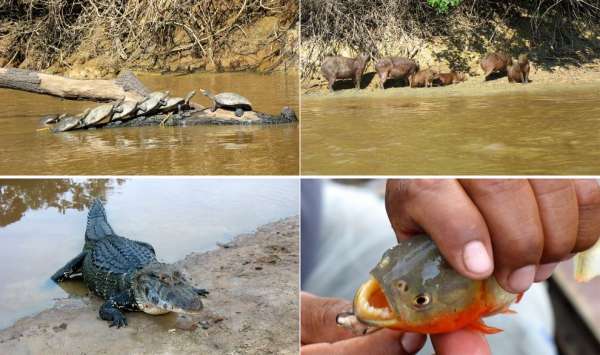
{"points": [[252, 307], [99, 39], [556, 77]]}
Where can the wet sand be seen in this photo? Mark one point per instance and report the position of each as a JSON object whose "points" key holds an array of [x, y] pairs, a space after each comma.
{"points": [[252, 307]]}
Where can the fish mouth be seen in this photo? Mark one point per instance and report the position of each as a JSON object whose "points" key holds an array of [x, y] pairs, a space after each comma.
{"points": [[372, 307]]}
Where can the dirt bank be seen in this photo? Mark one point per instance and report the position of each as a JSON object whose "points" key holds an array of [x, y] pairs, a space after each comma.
{"points": [[554, 78], [562, 38], [100, 38], [252, 308]]}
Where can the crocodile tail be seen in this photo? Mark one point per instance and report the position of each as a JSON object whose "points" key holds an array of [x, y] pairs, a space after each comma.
{"points": [[97, 224]]}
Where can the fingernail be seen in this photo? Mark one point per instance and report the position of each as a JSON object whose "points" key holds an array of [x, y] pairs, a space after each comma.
{"points": [[476, 258], [544, 271], [520, 279], [412, 342]]}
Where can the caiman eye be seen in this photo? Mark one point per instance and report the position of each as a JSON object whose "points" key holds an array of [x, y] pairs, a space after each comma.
{"points": [[402, 285], [422, 300]]}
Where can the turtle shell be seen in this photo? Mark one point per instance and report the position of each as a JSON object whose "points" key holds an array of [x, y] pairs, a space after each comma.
{"points": [[230, 99], [152, 101], [172, 103], [99, 115], [128, 108], [67, 124]]}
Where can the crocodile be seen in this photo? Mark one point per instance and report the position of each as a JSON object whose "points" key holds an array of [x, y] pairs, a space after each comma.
{"points": [[127, 275]]}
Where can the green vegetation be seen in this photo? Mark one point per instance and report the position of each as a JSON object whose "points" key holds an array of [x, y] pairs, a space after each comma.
{"points": [[443, 5]]}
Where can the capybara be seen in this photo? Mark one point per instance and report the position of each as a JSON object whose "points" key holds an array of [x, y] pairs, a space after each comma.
{"points": [[423, 78], [519, 71], [495, 62], [524, 64], [334, 68], [450, 78], [395, 68]]}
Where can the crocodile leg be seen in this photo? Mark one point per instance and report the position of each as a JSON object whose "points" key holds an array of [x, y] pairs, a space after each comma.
{"points": [[111, 309], [201, 291], [71, 268]]}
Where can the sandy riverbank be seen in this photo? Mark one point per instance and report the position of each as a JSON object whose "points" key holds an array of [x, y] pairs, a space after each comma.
{"points": [[587, 75], [252, 308]]}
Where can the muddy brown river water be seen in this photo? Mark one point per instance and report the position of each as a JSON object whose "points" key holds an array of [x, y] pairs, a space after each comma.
{"points": [[42, 225], [539, 129], [200, 150]]}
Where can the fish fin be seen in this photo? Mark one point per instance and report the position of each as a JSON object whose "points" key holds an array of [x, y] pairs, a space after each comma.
{"points": [[519, 297], [479, 325], [508, 311]]}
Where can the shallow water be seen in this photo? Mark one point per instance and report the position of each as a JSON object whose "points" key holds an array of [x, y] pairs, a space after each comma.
{"points": [[554, 130], [42, 225], [200, 150]]}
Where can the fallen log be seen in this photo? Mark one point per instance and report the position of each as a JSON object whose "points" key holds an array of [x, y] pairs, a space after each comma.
{"points": [[125, 86], [206, 117]]}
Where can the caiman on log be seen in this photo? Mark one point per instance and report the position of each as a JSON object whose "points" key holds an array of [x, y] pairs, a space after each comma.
{"points": [[127, 274]]}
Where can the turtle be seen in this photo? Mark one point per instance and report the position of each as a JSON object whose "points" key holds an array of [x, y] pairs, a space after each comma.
{"points": [[152, 101], [68, 123], [101, 114], [177, 102], [52, 119], [229, 101], [128, 108]]}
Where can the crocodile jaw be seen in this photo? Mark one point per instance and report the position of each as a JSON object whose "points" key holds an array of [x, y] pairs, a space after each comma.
{"points": [[152, 309]]}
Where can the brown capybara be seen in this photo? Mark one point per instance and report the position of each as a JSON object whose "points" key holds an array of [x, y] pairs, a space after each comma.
{"points": [[525, 67], [519, 71], [334, 68], [395, 68], [423, 78], [496, 62], [450, 78]]}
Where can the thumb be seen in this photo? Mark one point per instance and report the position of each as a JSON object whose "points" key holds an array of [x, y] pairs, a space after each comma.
{"points": [[318, 319]]}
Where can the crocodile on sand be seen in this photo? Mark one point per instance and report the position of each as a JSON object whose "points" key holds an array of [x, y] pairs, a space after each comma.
{"points": [[127, 274]]}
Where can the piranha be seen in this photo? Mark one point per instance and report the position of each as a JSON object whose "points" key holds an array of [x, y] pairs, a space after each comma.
{"points": [[414, 289]]}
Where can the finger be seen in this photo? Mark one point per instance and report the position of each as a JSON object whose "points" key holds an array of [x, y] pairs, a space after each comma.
{"points": [[559, 214], [462, 341], [318, 319], [511, 213], [588, 198], [382, 342], [445, 212]]}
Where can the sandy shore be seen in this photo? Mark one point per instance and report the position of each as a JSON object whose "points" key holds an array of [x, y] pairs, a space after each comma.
{"points": [[252, 308], [557, 78]]}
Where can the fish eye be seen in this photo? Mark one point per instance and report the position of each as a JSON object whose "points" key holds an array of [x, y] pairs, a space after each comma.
{"points": [[422, 300], [402, 285]]}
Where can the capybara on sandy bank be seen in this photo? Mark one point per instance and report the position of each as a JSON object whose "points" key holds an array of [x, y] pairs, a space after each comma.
{"points": [[519, 71], [395, 68], [423, 78], [495, 62], [450, 78], [337, 67]]}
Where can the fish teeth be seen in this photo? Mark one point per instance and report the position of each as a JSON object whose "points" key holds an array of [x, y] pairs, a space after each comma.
{"points": [[366, 308]]}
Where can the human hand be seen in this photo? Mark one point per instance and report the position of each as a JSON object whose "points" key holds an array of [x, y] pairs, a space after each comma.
{"points": [[321, 335], [517, 229]]}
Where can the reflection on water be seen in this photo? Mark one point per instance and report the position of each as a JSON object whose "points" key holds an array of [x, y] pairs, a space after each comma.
{"points": [[176, 216], [203, 150], [19, 195], [543, 132]]}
